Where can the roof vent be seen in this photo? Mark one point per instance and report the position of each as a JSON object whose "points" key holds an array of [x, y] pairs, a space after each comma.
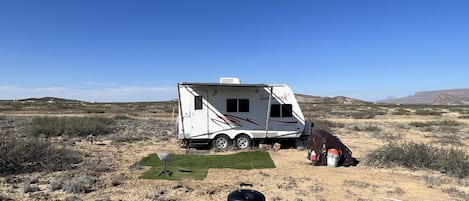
{"points": [[230, 80]]}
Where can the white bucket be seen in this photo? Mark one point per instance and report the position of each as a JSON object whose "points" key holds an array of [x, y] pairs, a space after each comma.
{"points": [[313, 156], [332, 157]]}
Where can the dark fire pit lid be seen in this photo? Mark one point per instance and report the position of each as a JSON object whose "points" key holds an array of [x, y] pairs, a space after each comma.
{"points": [[246, 194]]}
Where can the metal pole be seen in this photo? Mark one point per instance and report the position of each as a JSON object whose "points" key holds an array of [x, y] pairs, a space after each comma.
{"points": [[172, 115], [267, 120]]}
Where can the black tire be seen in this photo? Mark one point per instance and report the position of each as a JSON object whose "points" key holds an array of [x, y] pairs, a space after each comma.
{"points": [[243, 142], [221, 142]]}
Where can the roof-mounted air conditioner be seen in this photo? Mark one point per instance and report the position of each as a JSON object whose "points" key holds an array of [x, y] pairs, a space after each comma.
{"points": [[229, 80]]}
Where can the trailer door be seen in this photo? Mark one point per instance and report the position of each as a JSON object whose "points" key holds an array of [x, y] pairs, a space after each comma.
{"points": [[199, 116]]}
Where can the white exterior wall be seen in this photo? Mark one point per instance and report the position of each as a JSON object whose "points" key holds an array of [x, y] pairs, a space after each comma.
{"points": [[213, 119]]}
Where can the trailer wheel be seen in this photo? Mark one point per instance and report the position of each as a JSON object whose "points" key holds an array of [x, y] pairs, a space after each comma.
{"points": [[221, 142], [243, 141]]}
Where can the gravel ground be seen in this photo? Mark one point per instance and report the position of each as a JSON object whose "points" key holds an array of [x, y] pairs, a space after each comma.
{"points": [[107, 171]]}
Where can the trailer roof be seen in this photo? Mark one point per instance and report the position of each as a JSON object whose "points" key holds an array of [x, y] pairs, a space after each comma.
{"points": [[223, 84]]}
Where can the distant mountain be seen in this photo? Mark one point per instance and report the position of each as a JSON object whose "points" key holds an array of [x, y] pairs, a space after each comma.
{"points": [[439, 97], [302, 98], [50, 100]]}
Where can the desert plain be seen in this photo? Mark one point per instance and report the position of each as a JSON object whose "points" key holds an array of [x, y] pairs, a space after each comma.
{"points": [[107, 169]]}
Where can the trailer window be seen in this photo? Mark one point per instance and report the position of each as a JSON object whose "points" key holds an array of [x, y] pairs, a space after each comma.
{"points": [[275, 110], [243, 105], [198, 102], [231, 105], [287, 110], [281, 110], [237, 105]]}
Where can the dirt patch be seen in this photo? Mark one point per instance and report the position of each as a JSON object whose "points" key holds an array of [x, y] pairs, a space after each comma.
{"points": [[116, 178]]}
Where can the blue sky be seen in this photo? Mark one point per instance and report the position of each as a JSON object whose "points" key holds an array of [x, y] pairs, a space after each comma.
{"points": [[115, 50]]}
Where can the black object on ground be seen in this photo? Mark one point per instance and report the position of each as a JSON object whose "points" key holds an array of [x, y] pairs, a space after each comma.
{"points": [[246, 194]]}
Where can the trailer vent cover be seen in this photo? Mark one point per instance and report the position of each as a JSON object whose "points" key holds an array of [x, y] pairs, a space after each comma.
{"points": [[230, 80]]}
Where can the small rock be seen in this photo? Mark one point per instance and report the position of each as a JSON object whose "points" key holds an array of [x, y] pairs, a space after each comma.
{"points": [[136, 167]]}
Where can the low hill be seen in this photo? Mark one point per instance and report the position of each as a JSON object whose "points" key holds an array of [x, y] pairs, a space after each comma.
{"points": [[302, 98], [50, 100], [438, 97]]}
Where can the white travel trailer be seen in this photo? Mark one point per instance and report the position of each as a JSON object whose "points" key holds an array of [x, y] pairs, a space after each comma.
{"points": [[229, 113]]}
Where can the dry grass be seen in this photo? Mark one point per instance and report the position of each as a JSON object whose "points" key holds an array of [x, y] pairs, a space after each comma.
{"points": [[456, 193], [107, 171], [22, 155], [70, 126], [451, 161]]}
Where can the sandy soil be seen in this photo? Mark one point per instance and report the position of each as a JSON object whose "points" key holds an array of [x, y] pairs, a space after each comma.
{"points": [[293, 179]]}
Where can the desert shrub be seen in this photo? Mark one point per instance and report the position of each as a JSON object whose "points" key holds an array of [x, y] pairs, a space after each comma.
{"points": [[358, 184], [106, 198], [386, 136], [29, 188], [11, 106], [169, 107], [368, 128], [121, 117], [445, 127], [396, 191], [80, 184], [4, 198], [95, 111], [116, 182], [457, 109], [401, 111], [408, 155], [449, 123], [466, 111], [432, 181], [363, 115], [426, 112], [73, 198], [57, 159], [451, 139], [448, 130], [454, 192], [317, 109], [56, 184], [451, 161], [70, 126], [435, 123], [464, 117], [419, 124], [18, 155], [97, 165], [125, 138], [326, 125], [445, 131]]}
